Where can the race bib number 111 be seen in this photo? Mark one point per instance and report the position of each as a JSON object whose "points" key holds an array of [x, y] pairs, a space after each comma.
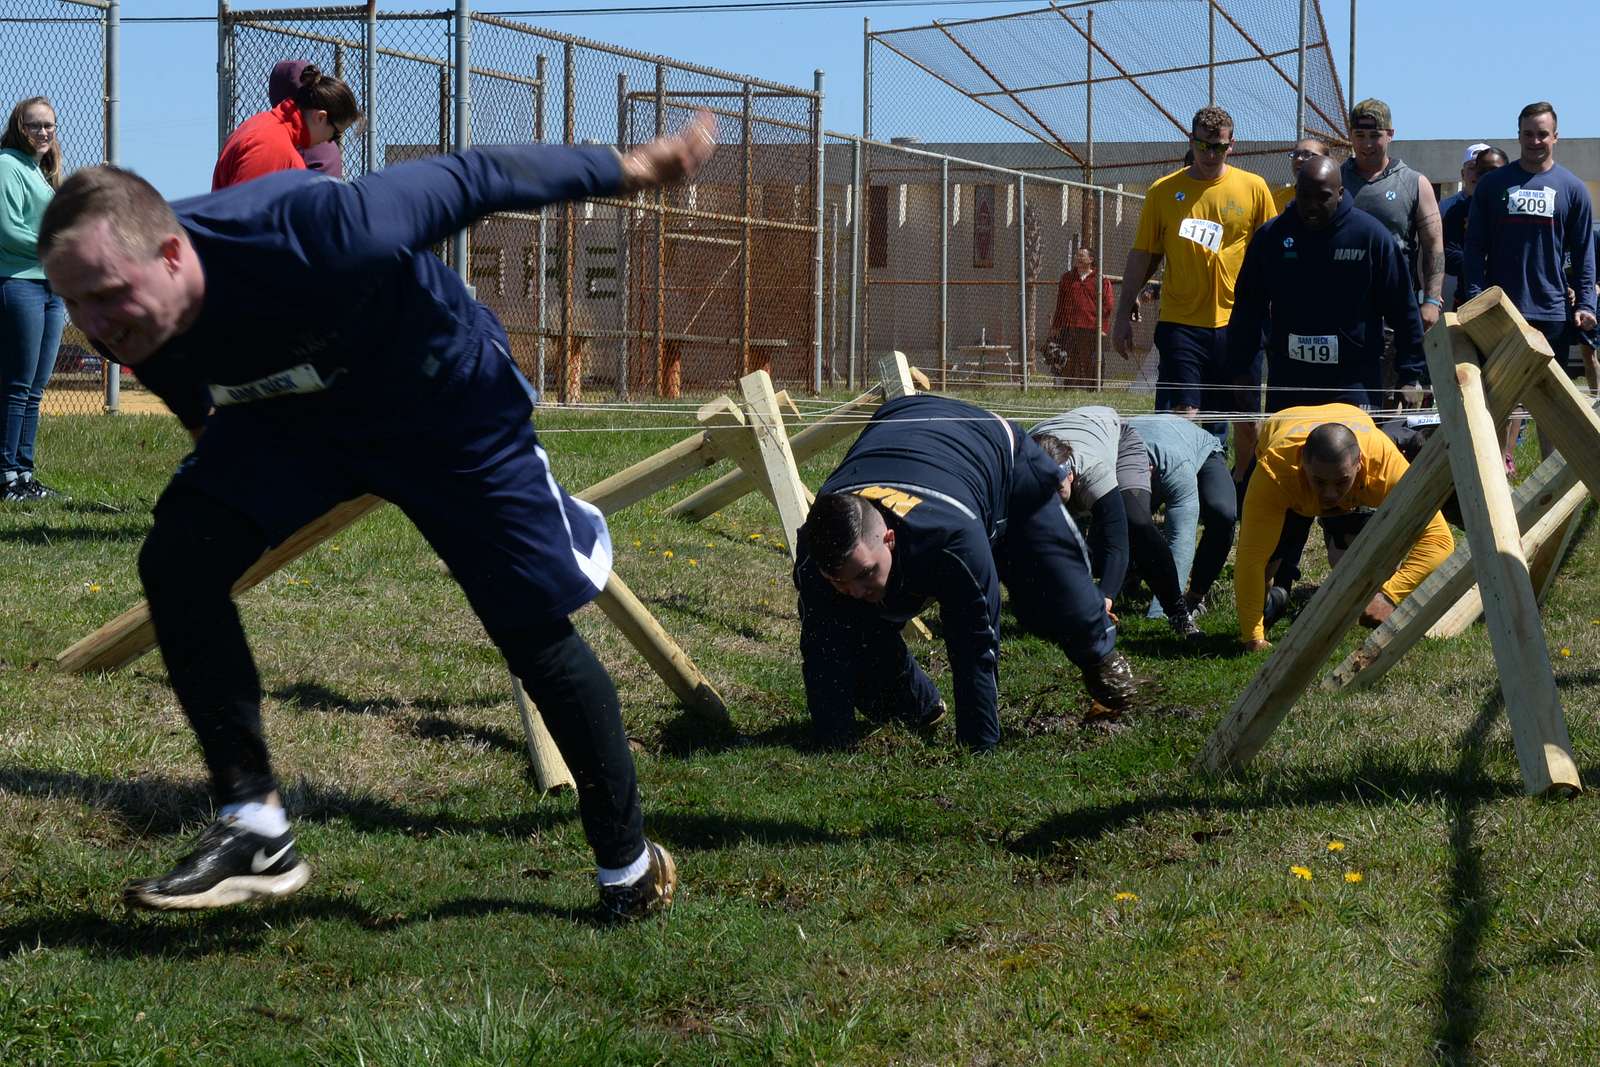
{"points": [[1207, 233]]}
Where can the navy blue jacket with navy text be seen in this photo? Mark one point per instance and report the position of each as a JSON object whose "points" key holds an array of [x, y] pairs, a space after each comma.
{"points": [[1345, 281]]}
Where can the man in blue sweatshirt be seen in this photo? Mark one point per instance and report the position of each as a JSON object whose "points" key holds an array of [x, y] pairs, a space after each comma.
{"points": [[1327, 277], [941, 500], [317, 350], [1526, 218]]}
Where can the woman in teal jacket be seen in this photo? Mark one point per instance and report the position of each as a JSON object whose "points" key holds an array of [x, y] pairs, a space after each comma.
{"points": [[31, 315]]}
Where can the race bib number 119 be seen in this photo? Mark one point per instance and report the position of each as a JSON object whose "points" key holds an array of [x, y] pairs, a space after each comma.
{"points": [[1322, 349], [1206, 233], [1539, 203]]}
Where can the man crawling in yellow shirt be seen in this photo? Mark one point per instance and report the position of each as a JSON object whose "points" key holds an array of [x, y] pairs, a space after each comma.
{"points": [[1320, 462]]}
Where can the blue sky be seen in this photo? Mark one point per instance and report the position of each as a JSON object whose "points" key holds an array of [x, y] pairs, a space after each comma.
{"points": [[1443, 68]]}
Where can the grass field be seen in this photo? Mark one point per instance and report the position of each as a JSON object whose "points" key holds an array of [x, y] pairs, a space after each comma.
{"points": [[1077, 897]]}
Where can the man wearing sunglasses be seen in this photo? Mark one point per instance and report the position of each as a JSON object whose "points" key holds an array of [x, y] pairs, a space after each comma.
{"points": [[1199, 221]]}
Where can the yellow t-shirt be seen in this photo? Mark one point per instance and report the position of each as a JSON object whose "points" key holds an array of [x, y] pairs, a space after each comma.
{"points": [[1201, 228], [1279, 486], [1281, 196]]}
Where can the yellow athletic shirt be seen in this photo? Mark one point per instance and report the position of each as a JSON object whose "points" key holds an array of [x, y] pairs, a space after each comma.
{"points": [[1281, 196], [1278, 486], [1201, 228]]}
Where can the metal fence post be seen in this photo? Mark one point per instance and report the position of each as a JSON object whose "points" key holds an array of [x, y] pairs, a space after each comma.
{"points": [[369, 80], [1022, 278], [944, 273], [746, 148], [858, 151], [224, 75], [624, 225], [541, 252], [569, 238], [113, 146], [1100, 292], [833, 298], [463, 98], [664, 385], [1300, 80], [817, 274]]}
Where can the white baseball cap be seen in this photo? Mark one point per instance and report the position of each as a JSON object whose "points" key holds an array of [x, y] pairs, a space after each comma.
{"points": [[1472, 151]]}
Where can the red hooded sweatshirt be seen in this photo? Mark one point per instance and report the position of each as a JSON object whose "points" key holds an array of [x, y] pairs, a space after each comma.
{"points": [[266, 142]]}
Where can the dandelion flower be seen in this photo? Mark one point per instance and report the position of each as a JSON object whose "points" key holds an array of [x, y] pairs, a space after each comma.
{"points": [[94, 587], [1335, 846], [1301, 872], [1352, 877], [693, 562], [1126, 897], [755, 537], [1566, 651], [667, 554], [637, 544]]}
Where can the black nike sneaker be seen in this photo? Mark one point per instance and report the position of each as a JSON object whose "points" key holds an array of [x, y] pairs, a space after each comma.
{"points": [[229, 865], [649, 893]]}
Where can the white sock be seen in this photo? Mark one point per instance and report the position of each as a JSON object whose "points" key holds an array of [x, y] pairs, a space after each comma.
{"points": [[267, 820], [625, 875]]}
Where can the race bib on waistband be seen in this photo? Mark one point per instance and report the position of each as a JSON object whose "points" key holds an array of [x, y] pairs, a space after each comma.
{"points": [[1319, 348], [302, 379], [1207, 233], [1537, 203]]}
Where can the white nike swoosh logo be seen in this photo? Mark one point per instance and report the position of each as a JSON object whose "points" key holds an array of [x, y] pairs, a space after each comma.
{"points": [[261, 861]]}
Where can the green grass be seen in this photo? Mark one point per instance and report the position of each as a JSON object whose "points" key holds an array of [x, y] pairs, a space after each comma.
{"points": [[902, 903]]}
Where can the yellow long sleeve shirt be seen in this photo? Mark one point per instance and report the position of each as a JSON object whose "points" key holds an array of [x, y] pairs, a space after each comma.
{"points": [[1279, 486]]}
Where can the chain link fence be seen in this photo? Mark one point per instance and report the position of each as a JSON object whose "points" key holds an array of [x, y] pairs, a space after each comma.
{"points": [[57, 49], [651, 296], [981, 273]]}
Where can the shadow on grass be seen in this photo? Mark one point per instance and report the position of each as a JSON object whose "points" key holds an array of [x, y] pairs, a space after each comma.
{"points": [[50, 534], [312, 696], [192, 935]]}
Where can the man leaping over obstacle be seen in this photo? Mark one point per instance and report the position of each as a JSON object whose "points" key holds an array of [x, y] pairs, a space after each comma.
{"points": [[1325, 462], [941, 500], [337, 356]]}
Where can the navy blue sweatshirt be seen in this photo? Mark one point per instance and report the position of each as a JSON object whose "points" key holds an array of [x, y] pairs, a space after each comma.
{"points": [[1521, 229], [946, 475], [1347, 281], [322, 298]]}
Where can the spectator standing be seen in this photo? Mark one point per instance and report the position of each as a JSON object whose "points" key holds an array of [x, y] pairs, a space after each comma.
{"points": [[1453, 216], [1199, 221], [321, 109], [1527, 220], [1402, 199], [325, 158], [1303, 150], [32, 316], [1083, 312]]}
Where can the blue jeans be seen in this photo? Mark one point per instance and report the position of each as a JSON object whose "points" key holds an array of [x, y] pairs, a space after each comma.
{"points": [[31, 320]]}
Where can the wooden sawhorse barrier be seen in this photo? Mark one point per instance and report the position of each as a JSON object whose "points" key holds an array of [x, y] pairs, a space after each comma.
{"points": [[1517, 364]]}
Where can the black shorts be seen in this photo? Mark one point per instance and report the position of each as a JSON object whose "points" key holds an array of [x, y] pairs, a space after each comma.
{"points": [[1193, 371]]}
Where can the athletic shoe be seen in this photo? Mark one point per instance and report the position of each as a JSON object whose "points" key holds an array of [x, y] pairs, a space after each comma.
{"points": [[1184, 626], [37, 490], [1276, 607], [929, 720], [1196, 608], [651, 892], [1110, 682], [229, 865], [15, 492]]}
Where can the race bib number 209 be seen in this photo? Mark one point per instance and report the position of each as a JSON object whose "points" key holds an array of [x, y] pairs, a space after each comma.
{"points": [[1538, 203], [1207, 233]]}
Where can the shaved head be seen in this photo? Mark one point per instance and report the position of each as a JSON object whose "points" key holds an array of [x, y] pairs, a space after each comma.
{"points": [[1317, 192], [1333, 443]]}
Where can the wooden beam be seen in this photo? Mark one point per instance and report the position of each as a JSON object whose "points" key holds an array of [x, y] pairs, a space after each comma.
{"points": [[895, 373], [1516, 632], [1293, 665], [777, 467], [652, 474], [840, 425], [1544, 561], [669, 661], [132, 634], [1453, 583], [1566, 419], [549, 769]]}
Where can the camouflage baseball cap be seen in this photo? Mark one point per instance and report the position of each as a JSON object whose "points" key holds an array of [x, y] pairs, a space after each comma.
{"points": [[1371, 113]]}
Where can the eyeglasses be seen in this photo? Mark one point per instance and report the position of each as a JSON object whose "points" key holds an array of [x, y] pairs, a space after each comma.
{"points": [[39, 127], [1300, 155], [1210, 146]]}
